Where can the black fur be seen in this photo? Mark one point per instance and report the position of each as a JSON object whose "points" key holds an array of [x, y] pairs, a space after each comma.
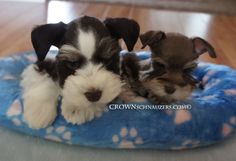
{"points": [[130, 67], [107, 53], [65, 68], [48, 66], [124, 28], [44, 36], [107, 45]]}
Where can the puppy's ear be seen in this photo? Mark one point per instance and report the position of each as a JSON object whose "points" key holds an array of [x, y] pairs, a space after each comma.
{"points": [[124, 28], [201, 46], [44, 36], [150, 38]]}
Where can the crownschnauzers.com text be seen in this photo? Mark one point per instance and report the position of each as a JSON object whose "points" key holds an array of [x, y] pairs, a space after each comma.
{"points": [[148, 107]]}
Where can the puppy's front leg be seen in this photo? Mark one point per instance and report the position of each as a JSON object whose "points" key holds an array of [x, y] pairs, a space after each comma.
{"points": [[40, 94], [79, 116]]}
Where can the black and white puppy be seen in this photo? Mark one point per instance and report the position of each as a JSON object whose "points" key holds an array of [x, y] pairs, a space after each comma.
{"points": [[85, 71]]}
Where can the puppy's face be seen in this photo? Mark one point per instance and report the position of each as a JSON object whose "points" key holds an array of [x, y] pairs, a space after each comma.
{"points": [[87, 64], [174, 57], [89, 78], [71, 59]]}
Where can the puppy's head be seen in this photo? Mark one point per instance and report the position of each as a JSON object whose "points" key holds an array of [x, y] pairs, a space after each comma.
{"points": [[174, 57], [87, 64]]}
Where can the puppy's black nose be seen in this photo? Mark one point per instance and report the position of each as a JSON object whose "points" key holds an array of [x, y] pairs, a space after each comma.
{"points": [[93, 95], [170, 89]]}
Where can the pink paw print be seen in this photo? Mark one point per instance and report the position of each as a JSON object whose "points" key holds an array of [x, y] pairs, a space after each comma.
{"points": [[127, 138]]}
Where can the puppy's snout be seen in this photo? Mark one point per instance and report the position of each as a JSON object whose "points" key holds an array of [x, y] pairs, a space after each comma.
{"points": [[169, 89], [93, 95]]}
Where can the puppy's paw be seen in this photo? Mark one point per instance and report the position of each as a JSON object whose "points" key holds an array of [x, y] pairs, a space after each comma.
{"points": [[78, 116], [81, 115], [40, 115]]}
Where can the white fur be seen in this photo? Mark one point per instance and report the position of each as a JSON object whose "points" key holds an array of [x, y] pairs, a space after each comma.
{"points": [[40, 96], [157, 87], [87, 43], [75, 106]]}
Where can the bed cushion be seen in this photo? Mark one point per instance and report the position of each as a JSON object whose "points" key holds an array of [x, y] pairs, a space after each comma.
{"points": [[207, 117]]}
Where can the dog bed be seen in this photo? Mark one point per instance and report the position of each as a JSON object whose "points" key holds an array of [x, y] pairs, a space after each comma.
{"points": [[207, 117]]}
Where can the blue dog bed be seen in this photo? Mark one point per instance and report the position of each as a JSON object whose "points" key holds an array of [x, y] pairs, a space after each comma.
{"points": [[210, 115]]}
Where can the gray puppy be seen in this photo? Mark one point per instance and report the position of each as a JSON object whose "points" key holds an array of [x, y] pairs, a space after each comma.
{"points": [[168, 76]]}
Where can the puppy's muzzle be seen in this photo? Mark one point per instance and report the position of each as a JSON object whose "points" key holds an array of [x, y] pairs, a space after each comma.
{"points": [[93, 95]]}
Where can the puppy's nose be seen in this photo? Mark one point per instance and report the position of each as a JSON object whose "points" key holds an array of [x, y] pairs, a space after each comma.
{"points": [[93, 95], [170, 89]]}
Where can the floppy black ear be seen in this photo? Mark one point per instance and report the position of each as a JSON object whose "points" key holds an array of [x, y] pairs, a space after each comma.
{"points": [[150, 38], [201, 46], [124, 28], [44, 36]]}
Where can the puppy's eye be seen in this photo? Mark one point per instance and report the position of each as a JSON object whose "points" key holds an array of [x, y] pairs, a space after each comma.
{"points": [[75, 64], [159, 68]]}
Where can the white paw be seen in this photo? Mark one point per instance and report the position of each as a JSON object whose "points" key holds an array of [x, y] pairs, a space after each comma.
{"points": [[78, 116], [40, 115]]}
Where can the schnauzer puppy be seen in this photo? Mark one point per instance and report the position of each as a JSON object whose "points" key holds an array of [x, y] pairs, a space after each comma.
{"points": [[168, 76], [85, 71]]}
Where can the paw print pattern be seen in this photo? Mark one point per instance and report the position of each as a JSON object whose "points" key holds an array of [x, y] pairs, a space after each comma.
{"points": [[14, 113], [127, 138], [208, 75], [9, 77], [182, 116], [59, 134], [230, 92], [228, 127], [209, 97]]}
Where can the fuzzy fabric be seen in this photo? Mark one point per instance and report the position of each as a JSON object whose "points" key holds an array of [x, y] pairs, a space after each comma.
{"points": [[211, 119]]}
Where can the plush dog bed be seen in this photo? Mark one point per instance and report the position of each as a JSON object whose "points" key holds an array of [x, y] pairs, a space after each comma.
{"points": [[211, 119]]}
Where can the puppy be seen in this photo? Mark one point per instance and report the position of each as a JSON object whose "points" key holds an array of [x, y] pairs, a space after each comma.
{"points": [[85, 71], [167, 78]]}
